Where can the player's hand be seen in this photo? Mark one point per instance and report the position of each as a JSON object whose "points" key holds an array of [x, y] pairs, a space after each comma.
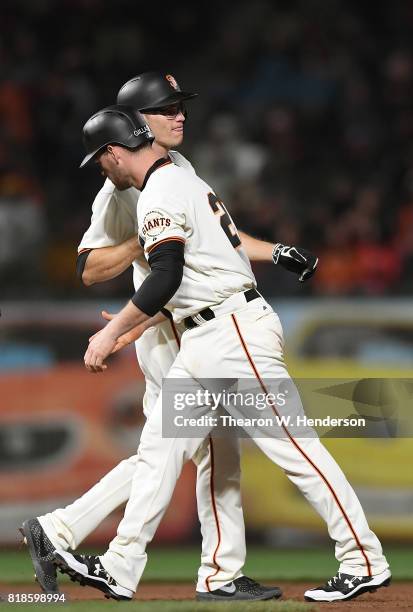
{"points": [[123, 340], [108, 317], [295, 259], [100, 347]]}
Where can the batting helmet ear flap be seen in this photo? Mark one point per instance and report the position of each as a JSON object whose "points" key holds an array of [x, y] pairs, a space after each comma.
{"points": [[115, 124]]}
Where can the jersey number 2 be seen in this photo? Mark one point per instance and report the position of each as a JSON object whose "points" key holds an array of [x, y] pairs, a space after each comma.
{"points": [[225, 220]]}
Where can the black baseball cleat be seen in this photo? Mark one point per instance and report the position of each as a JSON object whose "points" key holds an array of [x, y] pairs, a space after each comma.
{"points": [[241, 589], [41, 551], [87, 570], [343, 587]]}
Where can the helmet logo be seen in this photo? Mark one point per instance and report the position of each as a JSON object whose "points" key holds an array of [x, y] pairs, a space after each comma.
{"points": [[142, 130], [171, 81]]}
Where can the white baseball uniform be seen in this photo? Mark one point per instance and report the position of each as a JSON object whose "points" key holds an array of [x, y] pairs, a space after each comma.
{"points": [[243, 341], [114, 220]]}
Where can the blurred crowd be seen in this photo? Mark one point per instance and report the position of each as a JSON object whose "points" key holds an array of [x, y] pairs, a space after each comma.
{"points": [[303, 125]]}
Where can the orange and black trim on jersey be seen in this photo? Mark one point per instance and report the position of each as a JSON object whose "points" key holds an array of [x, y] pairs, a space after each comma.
{"points": [[165, 163], [158, 164], [301, 451], [171, 238], [215, 513]]}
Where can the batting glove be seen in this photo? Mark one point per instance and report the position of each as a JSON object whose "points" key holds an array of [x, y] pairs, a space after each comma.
{"points": [[295, 259]]}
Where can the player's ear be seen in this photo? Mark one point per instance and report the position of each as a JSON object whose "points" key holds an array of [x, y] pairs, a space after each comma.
{"points": [[112, 152]]}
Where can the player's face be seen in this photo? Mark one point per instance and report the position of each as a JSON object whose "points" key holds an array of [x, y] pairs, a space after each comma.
{"points": [[167, 124], [111, 165]]}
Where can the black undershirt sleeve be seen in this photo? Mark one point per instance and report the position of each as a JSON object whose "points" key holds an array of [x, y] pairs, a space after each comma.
{"points": [[81, 262], [167, 265]]}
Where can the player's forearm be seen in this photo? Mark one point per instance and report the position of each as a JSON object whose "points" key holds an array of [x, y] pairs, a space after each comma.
{"points": [[257, 250], [155, 320], [128, 318], [151, 322], [108, 262]]}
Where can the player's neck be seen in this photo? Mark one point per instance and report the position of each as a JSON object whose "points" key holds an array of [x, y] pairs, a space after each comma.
{"points": [[160, 150], [145, 159]]}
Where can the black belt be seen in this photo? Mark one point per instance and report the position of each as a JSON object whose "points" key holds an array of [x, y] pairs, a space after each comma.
{"points": [[208, 314]]}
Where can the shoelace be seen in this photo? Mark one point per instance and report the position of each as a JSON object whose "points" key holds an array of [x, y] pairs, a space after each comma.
{"points": [[337, 578], [248, 585], [334, 579], [92, 562]]}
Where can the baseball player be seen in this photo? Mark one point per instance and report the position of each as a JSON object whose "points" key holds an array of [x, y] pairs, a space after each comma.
{"points": [[205, 280], [107, 248]]}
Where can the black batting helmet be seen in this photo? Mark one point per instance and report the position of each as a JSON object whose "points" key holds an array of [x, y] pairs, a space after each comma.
{"points": [[151, 90], [117, 124]]}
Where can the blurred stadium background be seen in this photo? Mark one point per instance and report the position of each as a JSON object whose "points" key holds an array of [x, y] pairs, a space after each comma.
{"points": [[304, 125]]}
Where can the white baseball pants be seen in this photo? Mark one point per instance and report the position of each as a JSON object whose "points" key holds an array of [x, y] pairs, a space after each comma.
{"points": [[218, 493], [244, 344]]}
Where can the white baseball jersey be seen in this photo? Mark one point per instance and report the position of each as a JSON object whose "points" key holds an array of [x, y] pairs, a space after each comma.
{"points": [[114, 219], [178, 205]]}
